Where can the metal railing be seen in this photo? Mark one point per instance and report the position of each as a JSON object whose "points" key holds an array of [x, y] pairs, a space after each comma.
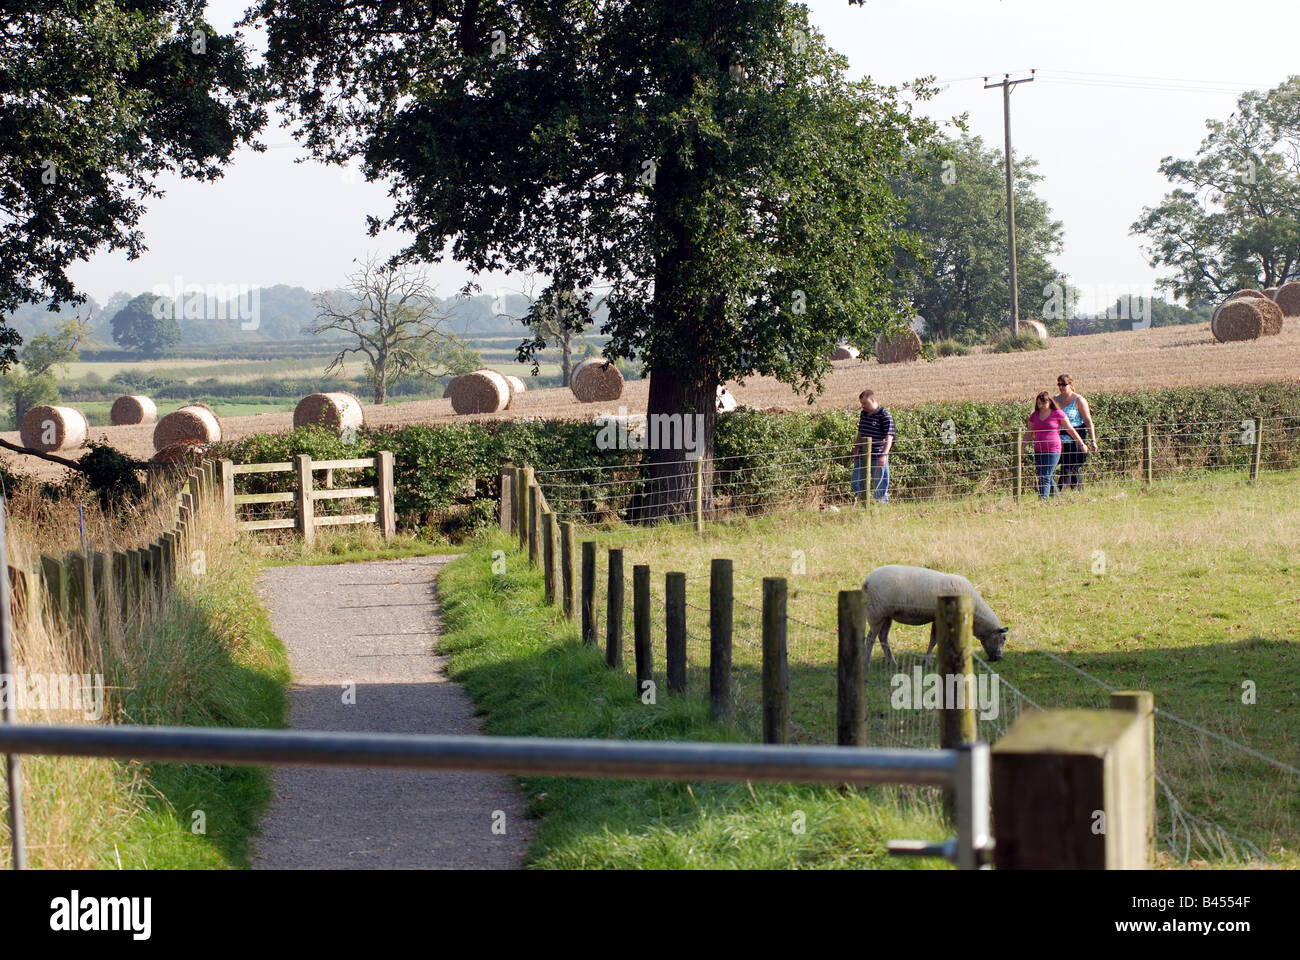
{"points": [[964, 770]]}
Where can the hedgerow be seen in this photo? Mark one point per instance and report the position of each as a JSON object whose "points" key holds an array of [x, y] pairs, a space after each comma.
{"points": [[444, 472]]}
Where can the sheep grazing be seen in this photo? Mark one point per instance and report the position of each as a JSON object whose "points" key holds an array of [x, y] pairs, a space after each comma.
{"points": [[911, 594]]}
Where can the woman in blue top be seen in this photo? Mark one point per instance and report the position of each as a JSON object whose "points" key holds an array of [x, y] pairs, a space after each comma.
{"points": [[1075, 408]]}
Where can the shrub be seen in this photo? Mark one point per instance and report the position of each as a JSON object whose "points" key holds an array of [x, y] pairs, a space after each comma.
{"points": [[950, 348], [1027, 340], [761, 457]]}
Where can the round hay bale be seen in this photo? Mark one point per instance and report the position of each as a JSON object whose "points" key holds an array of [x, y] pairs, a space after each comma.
{"points": [[596, 380], [483, 391], [339, 412], [1271, 292], [1249, 294], [844, 352], [446, 391], [1035, 327], [726, 401], [194, 422], [1288, 298], [132, 409], [516, 385], [50, 429], [901, 347], [1272, 315], [186, 451], [1237, 320]]}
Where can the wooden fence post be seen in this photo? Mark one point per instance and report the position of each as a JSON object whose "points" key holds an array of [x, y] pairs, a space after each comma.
{"points": [[641, 630], [721, 610], [548, 555], [171, 555], [122, 584], [776, 669], [1020, 465], [523, 493], [140, 559], [387, 515], [1257, 456], [589, 593], [227, 470], [81, 595], [851, 672], [156, 566], [614, 610], [1069, 791], [303, 501], [567, 583], [101, 572], [55, 587], [138, 585], [1142, 703], [534, 524], [507, 502], [952, 627], [1148, 453], [699, 494], [196, 495], [675, 630]]}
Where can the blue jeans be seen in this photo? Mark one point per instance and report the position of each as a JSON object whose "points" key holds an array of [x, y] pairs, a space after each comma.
{"points": [[1046, 464], [879, 480]]}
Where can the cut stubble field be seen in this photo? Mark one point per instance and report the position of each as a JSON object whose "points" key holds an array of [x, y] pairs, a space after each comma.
{"points": [[1162, 357]]}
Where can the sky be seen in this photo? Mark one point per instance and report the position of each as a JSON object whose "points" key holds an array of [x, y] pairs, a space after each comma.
{"points": [[1118, 86]]}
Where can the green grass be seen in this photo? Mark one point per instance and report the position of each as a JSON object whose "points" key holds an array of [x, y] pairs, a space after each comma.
{"points": [[528, 672], [346, 545], [1199, 593], [1027, 340], [213, 660]]}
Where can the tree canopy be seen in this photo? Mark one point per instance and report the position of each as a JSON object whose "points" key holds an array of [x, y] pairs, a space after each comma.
{"points": [[97, 99], [1233, 217], [33, 383], [144, 325], [707, 167], [958, 209]]}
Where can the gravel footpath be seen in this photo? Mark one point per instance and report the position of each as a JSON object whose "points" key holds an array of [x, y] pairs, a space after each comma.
{"points": [[374, 625]]}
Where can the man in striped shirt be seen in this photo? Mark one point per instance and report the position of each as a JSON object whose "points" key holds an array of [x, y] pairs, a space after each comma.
{"points": [[877, 423]]}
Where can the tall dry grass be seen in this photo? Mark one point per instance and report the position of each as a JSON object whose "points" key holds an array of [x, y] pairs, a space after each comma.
{"points": [[74, 805]]}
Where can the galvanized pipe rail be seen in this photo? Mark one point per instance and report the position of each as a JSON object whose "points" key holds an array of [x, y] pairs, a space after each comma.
{"points": [[964, 769]]}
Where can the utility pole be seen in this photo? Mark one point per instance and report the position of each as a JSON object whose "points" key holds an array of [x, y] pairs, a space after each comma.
{"points": [[1006, 83]]}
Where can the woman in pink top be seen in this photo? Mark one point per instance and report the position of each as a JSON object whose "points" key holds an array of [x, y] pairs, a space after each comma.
{"points": [[1046, 424]]}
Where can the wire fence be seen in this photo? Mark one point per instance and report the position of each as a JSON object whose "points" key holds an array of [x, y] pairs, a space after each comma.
{"points": [[1187, 753], [943, 467], [946, 466]]}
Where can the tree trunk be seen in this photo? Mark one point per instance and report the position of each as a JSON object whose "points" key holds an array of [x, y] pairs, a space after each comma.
{"points": [[380, 373], [671, 468], [566, 357]]}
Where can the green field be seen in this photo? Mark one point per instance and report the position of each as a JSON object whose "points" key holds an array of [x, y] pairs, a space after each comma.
{"points": [[86, 383], [1187, 589]]}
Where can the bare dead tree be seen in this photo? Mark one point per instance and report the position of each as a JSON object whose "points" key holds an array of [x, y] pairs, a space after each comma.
{"points": [[559, 316], [391, 317]]}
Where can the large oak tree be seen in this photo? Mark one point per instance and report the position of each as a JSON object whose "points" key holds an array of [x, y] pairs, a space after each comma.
{"points": [[1233, 217], [708, 166]]}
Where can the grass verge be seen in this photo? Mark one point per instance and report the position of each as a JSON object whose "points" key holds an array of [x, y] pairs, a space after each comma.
{"points": [[527, 671]]}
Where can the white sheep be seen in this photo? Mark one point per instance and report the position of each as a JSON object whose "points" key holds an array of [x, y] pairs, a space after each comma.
{"points": [[910, 595]]}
